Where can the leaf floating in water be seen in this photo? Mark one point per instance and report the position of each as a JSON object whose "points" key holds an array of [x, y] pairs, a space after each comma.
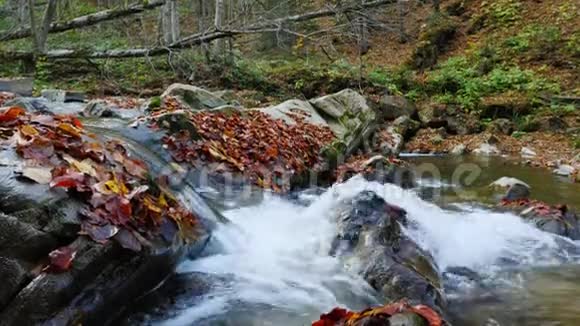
{"points": [[28, 131], [68, 181], [61, 260]]}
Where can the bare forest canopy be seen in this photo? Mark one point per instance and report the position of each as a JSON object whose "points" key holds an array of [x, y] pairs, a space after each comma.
{"points": [[179, 25]]}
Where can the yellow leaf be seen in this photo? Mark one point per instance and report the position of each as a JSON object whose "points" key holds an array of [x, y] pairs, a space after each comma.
{"points": [[70, 129], [162, 202], [28, 130], [151, 205]]}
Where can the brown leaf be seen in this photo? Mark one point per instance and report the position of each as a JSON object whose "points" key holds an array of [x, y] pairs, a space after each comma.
{"points": [[41, 175]]}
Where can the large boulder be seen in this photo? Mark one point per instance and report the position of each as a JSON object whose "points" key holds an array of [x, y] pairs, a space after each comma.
{"points": [[392, 107], [193, 97], [349, 116], [371, 241], [292, 111]]}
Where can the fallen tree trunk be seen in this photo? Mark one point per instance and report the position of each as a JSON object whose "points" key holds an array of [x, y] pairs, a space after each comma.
{"points": [[87, 20], [196, 39]]}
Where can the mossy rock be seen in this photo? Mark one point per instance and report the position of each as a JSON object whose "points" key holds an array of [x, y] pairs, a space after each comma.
{"points": [[440, 30]]}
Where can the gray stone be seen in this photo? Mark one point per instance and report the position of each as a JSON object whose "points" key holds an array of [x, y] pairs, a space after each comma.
{"points": [[392, 107], [406, 126], [193, 97], [99, 109], [452, 119], [487, 149], [407, 319], [506, 182], [565, 170], [349, 117], [20, 86], [517, 191], [13, 278], [527, 152]]}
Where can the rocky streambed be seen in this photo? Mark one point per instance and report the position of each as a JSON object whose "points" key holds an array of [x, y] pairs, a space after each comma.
{"points": [[271, 216]]}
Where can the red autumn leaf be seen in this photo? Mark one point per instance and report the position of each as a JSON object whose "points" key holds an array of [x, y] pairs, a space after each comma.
{"points": [[135, 168], [11, 114], [39, 149], [69, 180], [333, 317], [61, 260]]}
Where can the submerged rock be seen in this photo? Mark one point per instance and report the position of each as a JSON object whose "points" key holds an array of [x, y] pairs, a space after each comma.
{"points": [[371, 241]]}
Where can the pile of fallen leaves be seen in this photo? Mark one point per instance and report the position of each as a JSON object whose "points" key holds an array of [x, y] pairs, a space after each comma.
{"points": [[535, 207], [123, 102], [5, 97], [122, 202], [267, 152], [377, 316]]}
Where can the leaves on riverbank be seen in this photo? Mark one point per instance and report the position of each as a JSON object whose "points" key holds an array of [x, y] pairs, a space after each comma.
{"points": [[266, 151], [378, 315], [115, 187], [536, 208]]}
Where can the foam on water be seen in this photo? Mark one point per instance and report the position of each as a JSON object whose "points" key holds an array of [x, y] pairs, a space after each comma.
{"points": [[276, 252]]}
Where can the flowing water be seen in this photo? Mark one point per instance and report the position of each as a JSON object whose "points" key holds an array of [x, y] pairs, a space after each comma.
{"points": [[270, 265]]}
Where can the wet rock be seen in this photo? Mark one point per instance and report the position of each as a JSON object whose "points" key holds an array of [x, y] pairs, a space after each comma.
{"points": [[193, 97], [501, 126], [506, 182], [58, 95], [517, 191], [13, 278], [229, 96], [459, 149], [405, 126], [392, 107], [565, 170], [20, 86], [370, 240]]}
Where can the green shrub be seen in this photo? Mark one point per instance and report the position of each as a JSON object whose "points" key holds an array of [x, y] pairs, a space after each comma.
{"points": [[502, 12]]}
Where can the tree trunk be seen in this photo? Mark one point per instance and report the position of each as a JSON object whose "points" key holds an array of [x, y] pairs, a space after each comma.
{"points": [[218, 23], [170, 22], [84, 21]]}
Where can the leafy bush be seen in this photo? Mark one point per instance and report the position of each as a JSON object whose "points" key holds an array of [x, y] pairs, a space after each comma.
{"points": [[459, 81], [502, 12], [539, 39]]}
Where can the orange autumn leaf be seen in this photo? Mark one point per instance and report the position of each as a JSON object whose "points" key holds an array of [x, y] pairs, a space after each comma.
{"points": [[11, 114]]}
